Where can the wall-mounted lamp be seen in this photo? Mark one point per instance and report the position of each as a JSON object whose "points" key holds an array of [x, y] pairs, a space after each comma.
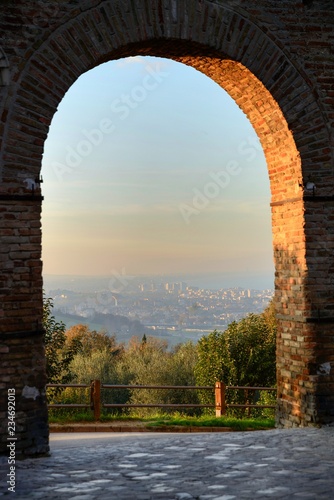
{"points": [[309, 188], [32, 184]]}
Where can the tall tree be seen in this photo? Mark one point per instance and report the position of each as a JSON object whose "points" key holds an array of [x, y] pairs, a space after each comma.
{"points": [[243, 355], [91, 340], [59, 354]]}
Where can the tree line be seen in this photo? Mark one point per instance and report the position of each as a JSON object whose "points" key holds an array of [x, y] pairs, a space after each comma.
{"points": [[242, 355]]}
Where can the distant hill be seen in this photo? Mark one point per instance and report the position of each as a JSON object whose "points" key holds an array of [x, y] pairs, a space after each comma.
{"points": [[124, 328]]}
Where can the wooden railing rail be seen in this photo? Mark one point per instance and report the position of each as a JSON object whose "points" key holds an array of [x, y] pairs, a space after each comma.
{"points": [[219, 389], [193, 387]]}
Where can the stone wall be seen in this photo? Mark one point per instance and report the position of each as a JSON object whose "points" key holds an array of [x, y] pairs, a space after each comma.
{"points": [[276, 61]]}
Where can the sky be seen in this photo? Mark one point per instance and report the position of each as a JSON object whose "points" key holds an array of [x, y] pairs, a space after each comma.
{"points": [[151, 168]]}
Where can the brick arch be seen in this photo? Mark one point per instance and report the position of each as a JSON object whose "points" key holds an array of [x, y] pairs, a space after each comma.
{"points": [[244, 52], [84, 41]]}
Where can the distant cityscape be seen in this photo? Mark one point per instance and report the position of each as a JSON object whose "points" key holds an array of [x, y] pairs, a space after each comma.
{"points": [[172, 310]]}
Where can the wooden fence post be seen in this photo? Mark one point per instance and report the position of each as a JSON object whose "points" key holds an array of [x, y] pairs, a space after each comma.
{"points": [[95, 398], [220, 399]]}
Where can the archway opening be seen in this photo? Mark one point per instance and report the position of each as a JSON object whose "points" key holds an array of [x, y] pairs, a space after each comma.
{"points": [[151, 169], [283, 163]]}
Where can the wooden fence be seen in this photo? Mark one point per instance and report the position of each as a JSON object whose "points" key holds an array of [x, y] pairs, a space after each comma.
{"points": [[219, 389]]}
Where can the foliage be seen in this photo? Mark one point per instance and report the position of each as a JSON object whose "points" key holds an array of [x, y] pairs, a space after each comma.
{"points": [[213, 363], [98, 358], [92, 341], [243, 355], [148, 362], [59, 354], [252, 352], [102, 365], [145, 363]]}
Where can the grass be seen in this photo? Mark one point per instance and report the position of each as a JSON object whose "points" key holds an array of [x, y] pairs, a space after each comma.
{"points": [[67, 418], [160, 420], [208, 421], [70, 416]]}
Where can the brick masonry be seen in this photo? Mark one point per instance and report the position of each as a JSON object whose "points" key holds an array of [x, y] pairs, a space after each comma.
{"points": [[276, 60]]}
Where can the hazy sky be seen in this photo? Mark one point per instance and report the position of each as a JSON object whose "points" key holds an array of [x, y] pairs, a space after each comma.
{"points": [[150, 167]]}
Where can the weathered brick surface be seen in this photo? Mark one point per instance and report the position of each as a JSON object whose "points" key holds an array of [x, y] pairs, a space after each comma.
{"points": [[23, 369], [276, 60]]}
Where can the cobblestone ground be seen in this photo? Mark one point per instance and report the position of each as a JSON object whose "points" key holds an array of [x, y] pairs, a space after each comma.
{"points": [[289, 464]]}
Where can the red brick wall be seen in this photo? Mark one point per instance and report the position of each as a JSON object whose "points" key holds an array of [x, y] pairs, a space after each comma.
{"points": [[276, 60]]}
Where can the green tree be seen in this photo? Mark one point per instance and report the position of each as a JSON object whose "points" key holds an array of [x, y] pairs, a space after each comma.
{"points": [[213, 364], [181, 371], [151, 363], [251, 345], [59, 355], [243, 355], [97, 358], [103, 365]]}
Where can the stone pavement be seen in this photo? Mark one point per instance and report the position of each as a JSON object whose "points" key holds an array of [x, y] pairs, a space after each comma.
{"points": [[286, 464]]}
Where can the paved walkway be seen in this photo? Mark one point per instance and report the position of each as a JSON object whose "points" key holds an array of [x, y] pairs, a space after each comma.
{"points": [[287, 464]]}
